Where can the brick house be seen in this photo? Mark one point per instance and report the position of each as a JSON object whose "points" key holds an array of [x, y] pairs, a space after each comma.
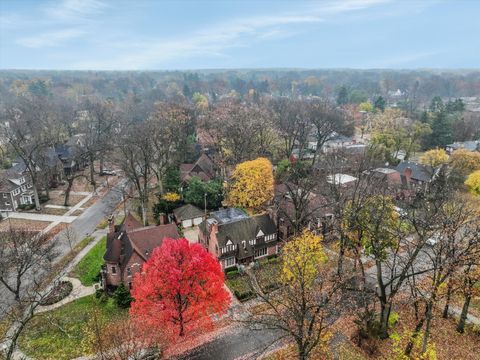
{"points": [[236, 238], [204, 168], [129, 246]]}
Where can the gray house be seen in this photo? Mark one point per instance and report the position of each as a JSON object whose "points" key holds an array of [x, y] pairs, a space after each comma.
{"points": [[15, 189]]}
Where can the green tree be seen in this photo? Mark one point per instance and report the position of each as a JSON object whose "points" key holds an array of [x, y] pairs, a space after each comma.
{"points": [[441, 130], [172, 180], [379, 103], [342, 96], [122, 296], [195, 193], [358, 96]]}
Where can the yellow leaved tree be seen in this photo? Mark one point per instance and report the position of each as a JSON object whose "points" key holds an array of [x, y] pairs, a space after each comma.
{"points": [[434, 158], [251, 184], [171, 197], [465, 162], [301, 259], [473, 182]]}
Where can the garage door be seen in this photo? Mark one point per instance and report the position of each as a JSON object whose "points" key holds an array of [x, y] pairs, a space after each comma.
{"points": [[187, 223], [197, 221]]}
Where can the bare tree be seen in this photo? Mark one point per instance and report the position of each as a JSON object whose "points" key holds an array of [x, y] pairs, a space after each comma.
{"points": [[25, 258], [27, 129]]}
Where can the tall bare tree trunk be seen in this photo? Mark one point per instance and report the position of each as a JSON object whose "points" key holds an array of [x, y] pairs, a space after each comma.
{"points": [[464, 314]]}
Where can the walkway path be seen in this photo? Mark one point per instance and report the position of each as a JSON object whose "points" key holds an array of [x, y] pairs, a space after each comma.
{"points": [[471, 319], [42, 217], [78, 290]]}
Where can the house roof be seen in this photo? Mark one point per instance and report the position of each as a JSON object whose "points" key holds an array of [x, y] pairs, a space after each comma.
{"points": [[467, 145], [420, 172], [203, 168], [187, 211], [241, 229], [340, 179], [131, 237]]}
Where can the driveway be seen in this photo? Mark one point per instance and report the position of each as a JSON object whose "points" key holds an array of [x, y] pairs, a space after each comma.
{"points": [[191, 234]]}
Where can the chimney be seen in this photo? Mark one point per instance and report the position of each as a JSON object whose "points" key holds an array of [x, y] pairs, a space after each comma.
{"points": [[111, 224], [161, 218], [408, 174]]}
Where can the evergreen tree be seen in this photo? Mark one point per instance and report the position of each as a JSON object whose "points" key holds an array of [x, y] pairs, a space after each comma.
{"points": [[122, 296], [441, 130], [342, 97], [379, 103]]}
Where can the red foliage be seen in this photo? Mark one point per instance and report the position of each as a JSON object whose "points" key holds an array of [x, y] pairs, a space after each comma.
{"points": [[180, 287]]}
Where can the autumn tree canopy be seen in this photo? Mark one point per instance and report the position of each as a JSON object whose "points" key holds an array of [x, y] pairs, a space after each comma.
{"points": [[180, 287], [434, 158], [473, 182], [252, 184], [465, 162]]}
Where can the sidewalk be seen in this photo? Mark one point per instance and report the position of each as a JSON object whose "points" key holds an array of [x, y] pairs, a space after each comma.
{"points": [[456, 312]]}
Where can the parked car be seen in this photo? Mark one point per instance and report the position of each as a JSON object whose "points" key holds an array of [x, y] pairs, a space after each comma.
{"points": [[108, 172], [433, 240]]}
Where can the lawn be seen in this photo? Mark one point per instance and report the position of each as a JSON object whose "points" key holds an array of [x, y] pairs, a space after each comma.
{"points": [[60, 334], [88, 268]]}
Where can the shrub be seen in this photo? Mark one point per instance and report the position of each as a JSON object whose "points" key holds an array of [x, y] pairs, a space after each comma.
{"points": [[43, 198], [99, 293], [58, 293], [122, 296], [231, 274], [393, 319]]}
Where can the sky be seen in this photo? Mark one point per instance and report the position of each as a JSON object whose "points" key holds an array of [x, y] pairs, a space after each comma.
{"points": [[161, 35]]}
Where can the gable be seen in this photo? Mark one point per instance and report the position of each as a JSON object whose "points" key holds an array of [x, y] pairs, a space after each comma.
{"points": [[260, 233]]}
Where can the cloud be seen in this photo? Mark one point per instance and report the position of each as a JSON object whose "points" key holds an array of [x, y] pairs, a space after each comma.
{"points": [[214, 40], [52, 38], [74, 10]]}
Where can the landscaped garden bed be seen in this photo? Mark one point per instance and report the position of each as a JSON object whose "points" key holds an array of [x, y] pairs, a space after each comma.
{"points": [[58, 293], [88, 269], [266, 272]]}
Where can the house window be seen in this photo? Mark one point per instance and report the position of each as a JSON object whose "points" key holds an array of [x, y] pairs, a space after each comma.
{"points": [[270, 237], [244, 244], [260, 252], [229, 262], [129, 271], [253, 242], [7, 203], [114, 270], [4, 196], [130, 285], [22, 180]]}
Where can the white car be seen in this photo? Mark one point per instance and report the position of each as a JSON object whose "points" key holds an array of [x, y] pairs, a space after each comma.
{"points": [[433, 240]]}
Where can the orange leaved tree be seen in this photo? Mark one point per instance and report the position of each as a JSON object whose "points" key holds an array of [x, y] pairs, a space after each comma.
{"points": [[179, 289]]}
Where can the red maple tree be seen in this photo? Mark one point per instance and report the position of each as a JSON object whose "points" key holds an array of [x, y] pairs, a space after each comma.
{"points": [[179, 289]]}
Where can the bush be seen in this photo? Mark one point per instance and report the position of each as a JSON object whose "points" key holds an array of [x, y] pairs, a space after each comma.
{"points": [[231, 274], [122, 297], [43, 198], [244, 296], [393, 319], [99, 293], [26, 206], [58, 293]]}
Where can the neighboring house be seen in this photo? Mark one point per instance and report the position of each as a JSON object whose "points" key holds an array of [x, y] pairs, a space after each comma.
{"points": [[69, 154], [188, 215], [341, 179], [467, 145], [337, 141], [15, 189], [317, 215], [205, 143], [129, 246], [236, 238], [413, 174], [203, 168]]}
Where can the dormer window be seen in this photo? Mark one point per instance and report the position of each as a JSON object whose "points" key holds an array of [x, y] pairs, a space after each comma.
{"points": [[260, 234], [229, 246]]}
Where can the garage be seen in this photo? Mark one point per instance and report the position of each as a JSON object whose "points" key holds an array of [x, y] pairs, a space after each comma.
{"points": [[188, 215]]}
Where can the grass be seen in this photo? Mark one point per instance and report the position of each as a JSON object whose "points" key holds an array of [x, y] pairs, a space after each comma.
{"points": [[88, 268], [60, 334]]}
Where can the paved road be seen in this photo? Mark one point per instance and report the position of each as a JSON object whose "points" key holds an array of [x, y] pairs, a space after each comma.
{"points": [[239, 343], [82, 226]]}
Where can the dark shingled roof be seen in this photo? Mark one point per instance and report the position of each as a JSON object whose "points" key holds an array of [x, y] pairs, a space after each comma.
{"points": [[419, 172], [187, 211], [203, 168], [244, 229]]}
